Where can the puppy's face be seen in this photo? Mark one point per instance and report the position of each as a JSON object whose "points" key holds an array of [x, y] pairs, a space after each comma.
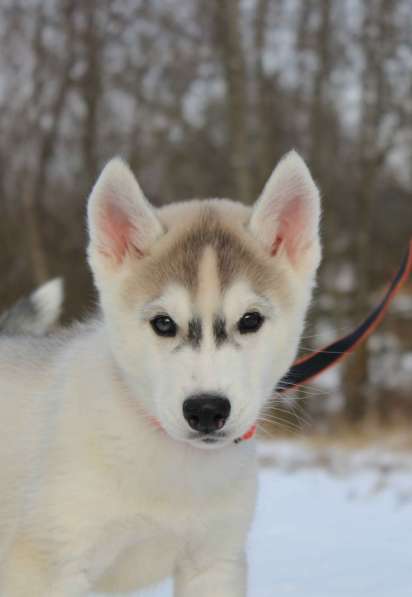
{"points": [[204, 301]]}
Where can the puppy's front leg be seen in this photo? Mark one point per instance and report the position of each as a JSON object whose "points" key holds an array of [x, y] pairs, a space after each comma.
{"points": [[27, 570], [221, 577], [25, 581]]}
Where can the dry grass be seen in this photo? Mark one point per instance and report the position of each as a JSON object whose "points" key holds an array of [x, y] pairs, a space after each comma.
{"points": [[396, 437]]}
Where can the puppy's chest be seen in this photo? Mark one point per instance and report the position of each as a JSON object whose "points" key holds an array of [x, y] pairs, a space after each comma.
{"points": [[167, 508], [162, 524], [175, 496], [172, 500]]}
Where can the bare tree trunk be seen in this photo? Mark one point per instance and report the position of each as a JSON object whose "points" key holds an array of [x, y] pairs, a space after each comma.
{"points": [[264, 99], [91, 89], [371, 156], [229, 39], [34, 188], [302, 44], [36, 251], [320, 86], [35, 248]]}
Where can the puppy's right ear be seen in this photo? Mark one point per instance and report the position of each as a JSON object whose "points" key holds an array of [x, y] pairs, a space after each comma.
{"points": [[120, 219]]}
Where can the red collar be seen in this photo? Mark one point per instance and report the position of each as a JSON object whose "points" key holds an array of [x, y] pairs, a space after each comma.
{"points": [[248, 435]]}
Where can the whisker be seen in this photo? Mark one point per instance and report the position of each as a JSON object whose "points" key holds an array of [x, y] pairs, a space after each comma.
{"points": [[311, 349], [301, 421], [307, 389], [280, 421]]}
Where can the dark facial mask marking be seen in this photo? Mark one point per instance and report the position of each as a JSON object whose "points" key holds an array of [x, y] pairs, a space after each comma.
{"points": [[195, 332], [219, 331]]}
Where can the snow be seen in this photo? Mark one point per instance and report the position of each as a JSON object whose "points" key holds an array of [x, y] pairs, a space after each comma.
{"points": [[330, 522], [317, 536]]}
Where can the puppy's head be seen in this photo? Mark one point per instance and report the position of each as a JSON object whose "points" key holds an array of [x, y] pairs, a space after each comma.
{"points": [[204, 301]]}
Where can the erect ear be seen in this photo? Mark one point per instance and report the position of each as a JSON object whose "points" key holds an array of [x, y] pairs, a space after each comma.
{"points": [[121, 221], [286, 216]]}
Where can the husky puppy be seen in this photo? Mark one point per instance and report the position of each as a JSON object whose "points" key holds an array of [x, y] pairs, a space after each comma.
{"points": [[36, 314], [120, 459]]}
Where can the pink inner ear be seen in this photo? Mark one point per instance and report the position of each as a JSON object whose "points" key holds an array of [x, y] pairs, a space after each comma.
{"points": [[117, 232], [276, 245], [291, 229]]}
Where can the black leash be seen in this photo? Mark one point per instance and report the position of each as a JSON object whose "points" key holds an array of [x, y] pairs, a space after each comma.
{"points": [[311, 366]]}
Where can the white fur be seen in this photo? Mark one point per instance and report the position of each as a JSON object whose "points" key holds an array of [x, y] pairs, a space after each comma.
{"points": [[48, 300], [93, 495]]}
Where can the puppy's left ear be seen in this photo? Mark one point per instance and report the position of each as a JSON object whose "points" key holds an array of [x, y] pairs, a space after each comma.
{"points": [[286, 216]]}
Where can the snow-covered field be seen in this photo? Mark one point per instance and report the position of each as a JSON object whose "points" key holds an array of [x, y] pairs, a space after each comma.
{"points": [[330, 523], [341, 533]]}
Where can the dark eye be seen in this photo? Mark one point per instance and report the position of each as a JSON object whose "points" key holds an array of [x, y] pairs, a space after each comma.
{"points": [[164, 325], [250, 322]]}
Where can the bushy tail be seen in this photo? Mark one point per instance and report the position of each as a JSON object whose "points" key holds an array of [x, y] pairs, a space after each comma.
{"points": [[37, 313]]}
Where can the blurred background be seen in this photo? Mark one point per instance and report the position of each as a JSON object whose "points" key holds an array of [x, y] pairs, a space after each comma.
{"points": [[202, 98]]}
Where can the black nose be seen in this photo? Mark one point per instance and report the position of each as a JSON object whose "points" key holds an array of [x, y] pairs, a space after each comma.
{"points": [[206, 413]]}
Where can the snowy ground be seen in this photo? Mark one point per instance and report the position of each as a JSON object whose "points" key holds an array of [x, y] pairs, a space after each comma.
{"points": [[330, 523], [344, 531]]}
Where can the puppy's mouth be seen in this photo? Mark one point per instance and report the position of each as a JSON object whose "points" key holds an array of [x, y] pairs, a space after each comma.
{"points": [[207, 439], [216, 439], [221, 438]]}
